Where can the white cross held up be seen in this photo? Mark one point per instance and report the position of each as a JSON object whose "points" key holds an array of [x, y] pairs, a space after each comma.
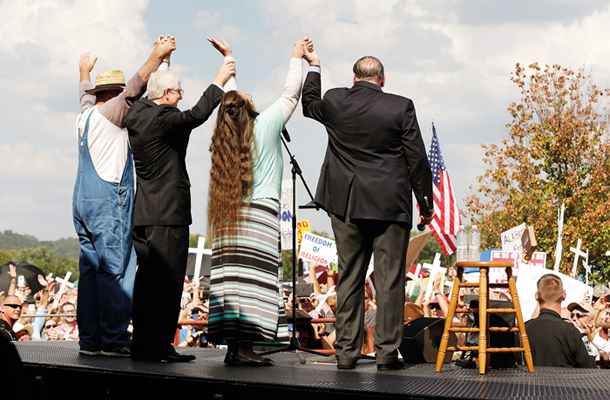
{"points": [[414, 280], [63, 283], [434, 268], [577, 253], [199, 251]]}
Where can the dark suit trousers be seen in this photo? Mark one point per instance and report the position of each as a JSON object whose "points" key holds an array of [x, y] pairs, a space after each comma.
{"points": [[356, 241], [162, 255]]}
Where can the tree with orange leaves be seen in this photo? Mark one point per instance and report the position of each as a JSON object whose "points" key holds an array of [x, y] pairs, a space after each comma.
{"points": [[556, 150]]}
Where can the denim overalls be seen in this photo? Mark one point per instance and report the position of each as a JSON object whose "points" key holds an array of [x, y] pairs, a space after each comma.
{"points": [[102, 218]]}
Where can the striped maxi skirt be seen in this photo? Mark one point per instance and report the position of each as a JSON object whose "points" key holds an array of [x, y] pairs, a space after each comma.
{"points": [[246, 300]]}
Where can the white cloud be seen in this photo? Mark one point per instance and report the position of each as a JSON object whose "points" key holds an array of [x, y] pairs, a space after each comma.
{"points": [[453, 58], [40, 41]]}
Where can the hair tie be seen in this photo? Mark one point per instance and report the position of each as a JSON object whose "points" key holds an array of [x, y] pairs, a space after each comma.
{"points": [[230, 110]]}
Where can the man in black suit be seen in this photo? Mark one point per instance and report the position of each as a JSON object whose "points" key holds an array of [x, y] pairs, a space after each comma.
{"points": [[159, 134], [375, 158]]}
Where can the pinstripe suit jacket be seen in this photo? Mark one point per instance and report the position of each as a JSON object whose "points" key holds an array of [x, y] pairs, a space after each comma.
{"points": [[159, 137]]}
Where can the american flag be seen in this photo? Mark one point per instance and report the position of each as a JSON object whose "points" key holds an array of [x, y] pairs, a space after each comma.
{"points": [[447, 220]]}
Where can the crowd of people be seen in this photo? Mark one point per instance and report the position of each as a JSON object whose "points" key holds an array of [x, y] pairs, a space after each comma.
{"points": [[575, 335]]}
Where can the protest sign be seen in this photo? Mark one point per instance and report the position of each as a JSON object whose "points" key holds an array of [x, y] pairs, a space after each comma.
{"points": [[498, 275], [317, 249], [286, 214], [511, 239], [302, 226]]}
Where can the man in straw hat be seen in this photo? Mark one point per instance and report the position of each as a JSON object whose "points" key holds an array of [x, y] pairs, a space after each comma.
{"points": [[103, 201]]}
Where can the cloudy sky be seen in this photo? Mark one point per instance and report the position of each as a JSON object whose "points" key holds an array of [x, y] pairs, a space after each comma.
{"points": [[452, 58]]}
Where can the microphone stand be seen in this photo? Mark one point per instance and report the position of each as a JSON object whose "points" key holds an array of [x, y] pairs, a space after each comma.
{"points": [[294, 344]]}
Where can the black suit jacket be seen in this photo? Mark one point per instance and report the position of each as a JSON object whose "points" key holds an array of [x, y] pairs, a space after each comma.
{"points": [[159, 136], [375, 149]]}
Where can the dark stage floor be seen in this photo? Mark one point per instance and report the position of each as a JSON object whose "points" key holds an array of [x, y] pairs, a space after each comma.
{"points": [[55, 367]]}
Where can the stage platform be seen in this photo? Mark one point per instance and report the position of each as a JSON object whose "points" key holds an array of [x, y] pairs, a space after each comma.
{"points": [[55, 370]]}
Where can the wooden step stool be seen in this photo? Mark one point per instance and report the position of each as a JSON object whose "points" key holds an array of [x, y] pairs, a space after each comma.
{"points": [[484, 313]]}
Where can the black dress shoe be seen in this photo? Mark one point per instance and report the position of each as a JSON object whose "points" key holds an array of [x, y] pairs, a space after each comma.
{"points": [[241, 360], [351, 365], [394, 366], [177, 357]]}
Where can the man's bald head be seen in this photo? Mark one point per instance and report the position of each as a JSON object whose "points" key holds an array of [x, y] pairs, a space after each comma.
{"points": [[11, 309], [11, 299], [370, 69]]}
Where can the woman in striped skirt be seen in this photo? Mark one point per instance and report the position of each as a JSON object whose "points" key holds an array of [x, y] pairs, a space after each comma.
{"points": [[246, 302]]}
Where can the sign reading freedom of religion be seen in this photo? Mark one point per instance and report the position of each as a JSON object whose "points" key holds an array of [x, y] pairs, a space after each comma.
{"points": [[318, 249]]}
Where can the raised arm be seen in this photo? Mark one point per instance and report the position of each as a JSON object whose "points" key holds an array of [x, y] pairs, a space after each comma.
{"points": [[313, 106], [224, 49], [164, 45], [292, 89], [85, 66], [116, 109]]}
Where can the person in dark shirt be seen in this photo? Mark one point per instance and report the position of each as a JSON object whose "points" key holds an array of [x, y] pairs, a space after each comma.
{"points": [[555, 342], [10, 311]]}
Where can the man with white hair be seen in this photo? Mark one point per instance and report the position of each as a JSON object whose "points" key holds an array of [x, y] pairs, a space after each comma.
{"points": [[159, 135], [102, 203]]}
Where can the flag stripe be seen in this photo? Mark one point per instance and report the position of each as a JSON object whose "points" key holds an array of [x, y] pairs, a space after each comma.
{"points": [[447, 220]]}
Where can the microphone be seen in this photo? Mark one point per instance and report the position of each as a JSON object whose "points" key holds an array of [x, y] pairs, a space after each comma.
{"points": [[421, 227], [286, 135]]}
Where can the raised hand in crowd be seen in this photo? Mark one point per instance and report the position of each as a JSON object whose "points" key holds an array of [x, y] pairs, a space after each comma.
{"points": [[44, 298], [588, 328], [420, 296], [23, 293], [13, 274], [196, 286], [331, 277], [451, 274], [600, 305], [426, 305]]}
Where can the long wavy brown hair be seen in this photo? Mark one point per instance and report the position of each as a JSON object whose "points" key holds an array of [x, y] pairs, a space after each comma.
{"points": [[231, 175]]}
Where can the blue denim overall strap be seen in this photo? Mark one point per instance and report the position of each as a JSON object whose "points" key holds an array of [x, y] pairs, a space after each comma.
{"points": [[107, 262]]}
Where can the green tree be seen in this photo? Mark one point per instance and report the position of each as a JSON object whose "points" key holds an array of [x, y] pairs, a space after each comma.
{"points": [[556, 150], [14, 241], [6, 256]]}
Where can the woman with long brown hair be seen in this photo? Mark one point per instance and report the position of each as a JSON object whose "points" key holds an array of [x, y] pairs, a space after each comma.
{"points": [[246, 302]]}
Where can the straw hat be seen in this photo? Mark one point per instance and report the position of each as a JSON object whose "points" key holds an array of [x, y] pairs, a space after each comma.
{"points": [[20, 327], [109, 80]]}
